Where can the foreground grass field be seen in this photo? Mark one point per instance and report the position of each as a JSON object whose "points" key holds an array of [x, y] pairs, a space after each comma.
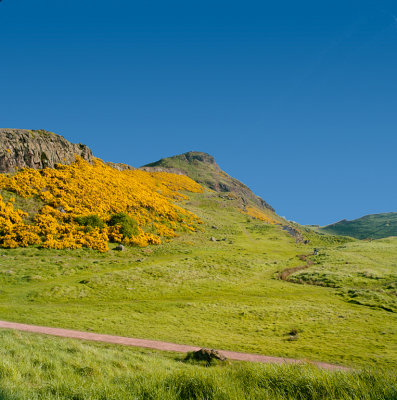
{"points": [[40, 367], [222, 294]]}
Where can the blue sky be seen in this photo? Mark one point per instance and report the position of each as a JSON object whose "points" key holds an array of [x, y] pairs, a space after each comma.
{"points": [[296, 99]]}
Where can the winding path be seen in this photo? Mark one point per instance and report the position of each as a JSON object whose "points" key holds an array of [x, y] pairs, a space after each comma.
{"points": [[157, 345], [285, 273]]}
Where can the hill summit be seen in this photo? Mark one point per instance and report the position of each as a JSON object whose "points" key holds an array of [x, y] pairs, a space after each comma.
{"points": [[202, 168]]}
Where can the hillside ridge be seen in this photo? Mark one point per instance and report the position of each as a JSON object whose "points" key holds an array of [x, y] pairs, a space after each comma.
{"points": [[37, 149], [40, 149]]}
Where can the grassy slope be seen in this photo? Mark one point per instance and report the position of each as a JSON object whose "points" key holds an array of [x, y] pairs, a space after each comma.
{"points": [[41, 367], [374, 226], [363, 273], [218, 294]]}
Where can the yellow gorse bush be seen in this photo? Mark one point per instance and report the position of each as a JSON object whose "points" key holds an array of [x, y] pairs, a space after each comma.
{"points": [[14, 231], [259, 214], [80, 189]]}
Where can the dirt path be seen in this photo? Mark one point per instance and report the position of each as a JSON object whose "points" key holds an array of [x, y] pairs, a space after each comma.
{"points": [[157, 345], [283, 275]]}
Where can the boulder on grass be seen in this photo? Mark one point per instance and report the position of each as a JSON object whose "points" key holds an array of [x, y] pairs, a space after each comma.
{"points": [[207, 355]]}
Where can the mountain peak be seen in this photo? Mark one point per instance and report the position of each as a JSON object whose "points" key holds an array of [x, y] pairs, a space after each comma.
{"points": [[190, 157], [198, 156], [202, 168]]}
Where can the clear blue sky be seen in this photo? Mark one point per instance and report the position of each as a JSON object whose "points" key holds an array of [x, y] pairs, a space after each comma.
{"points": [[297, 99]]}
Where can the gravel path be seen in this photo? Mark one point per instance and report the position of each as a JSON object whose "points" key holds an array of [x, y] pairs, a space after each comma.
{"points": [[157, 345]]}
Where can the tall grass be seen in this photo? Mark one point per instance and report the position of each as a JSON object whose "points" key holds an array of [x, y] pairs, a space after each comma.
{"points": [[39, 367]]}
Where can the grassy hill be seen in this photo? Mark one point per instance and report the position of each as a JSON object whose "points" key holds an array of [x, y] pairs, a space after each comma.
{"points": [[220, 294], [213, 281], [374, 226]]}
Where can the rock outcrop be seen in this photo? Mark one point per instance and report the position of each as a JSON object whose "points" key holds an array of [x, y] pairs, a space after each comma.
{"points": [[37, 149], [299, 238], [119, 166]]}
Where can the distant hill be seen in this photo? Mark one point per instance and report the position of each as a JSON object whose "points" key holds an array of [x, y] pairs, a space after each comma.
{"points": [[202, 168], [373, 226]]}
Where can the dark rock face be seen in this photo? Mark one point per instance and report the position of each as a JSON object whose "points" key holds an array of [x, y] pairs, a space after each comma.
{"points": [[299, 238], [37, 149]]}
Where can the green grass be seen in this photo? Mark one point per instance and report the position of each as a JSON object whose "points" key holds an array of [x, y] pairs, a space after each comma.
{"points": [[364, 273], [34, 367], [374, 226], [222, 294]]}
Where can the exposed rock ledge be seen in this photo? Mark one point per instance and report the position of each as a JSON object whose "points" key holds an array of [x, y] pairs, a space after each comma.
{"points": [[37, 149]]}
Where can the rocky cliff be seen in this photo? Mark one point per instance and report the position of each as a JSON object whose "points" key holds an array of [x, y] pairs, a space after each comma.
{"points": [[37, 149]]}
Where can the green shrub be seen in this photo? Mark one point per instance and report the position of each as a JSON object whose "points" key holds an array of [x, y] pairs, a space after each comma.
{"points": [[91, 221], [129, 226]]}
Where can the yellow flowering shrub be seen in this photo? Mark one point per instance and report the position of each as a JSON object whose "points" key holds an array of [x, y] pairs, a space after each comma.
{"points": [[81, 189], [13, 230], [259, 214]]}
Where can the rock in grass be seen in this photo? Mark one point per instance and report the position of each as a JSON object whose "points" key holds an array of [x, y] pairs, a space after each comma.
{"points": [[207, 355], [120, 247], [293, 335], [212, 239]]}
